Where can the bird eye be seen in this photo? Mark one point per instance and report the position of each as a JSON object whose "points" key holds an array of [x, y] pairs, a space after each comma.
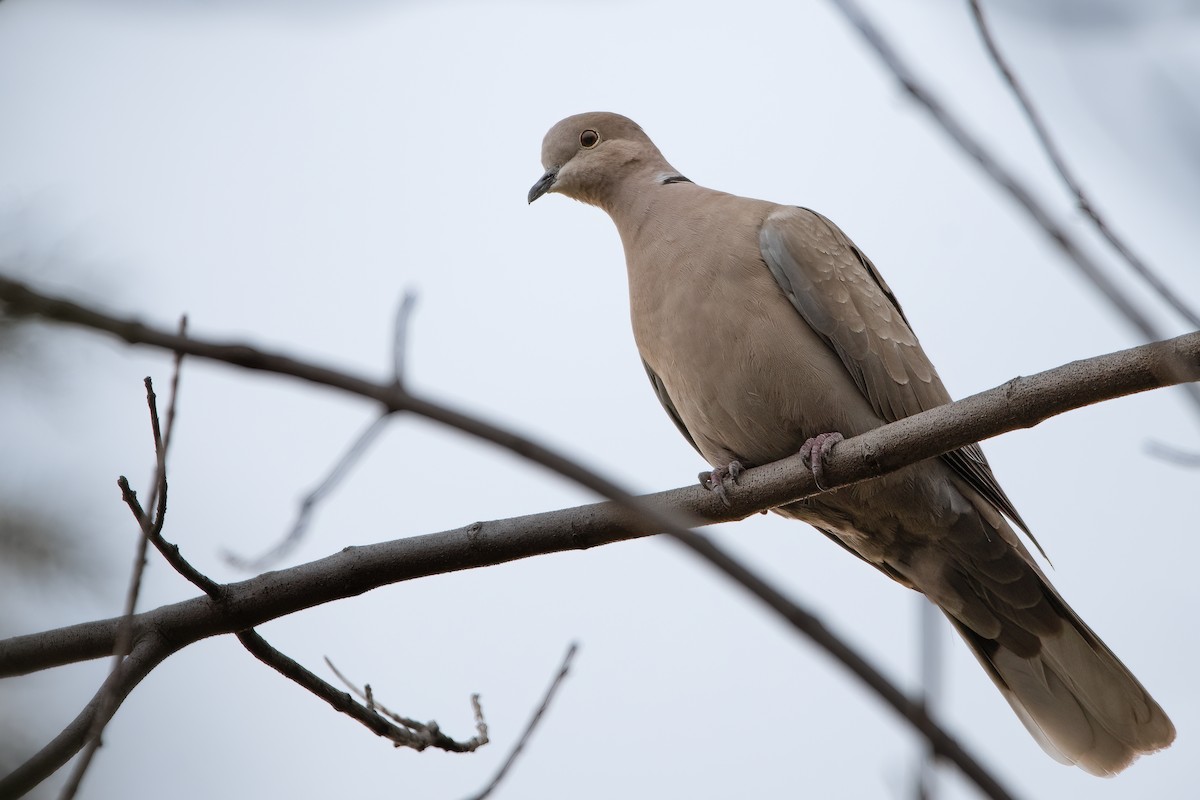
{"points": [[589, 138]]}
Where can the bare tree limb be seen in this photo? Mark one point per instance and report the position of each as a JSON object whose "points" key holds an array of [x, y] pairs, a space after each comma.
{"points": [[531, 725], [856, 459], [1135, 262]]}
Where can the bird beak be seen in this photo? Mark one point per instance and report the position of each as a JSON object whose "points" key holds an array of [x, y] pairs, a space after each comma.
{"points": [[544, 184]]}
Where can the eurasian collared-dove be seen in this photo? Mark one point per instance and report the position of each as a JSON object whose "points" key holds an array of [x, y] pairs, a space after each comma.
{"points": [[763, 329]]}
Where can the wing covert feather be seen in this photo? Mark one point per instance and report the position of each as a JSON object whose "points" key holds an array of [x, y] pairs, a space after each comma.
{"points": [[839, 293]]}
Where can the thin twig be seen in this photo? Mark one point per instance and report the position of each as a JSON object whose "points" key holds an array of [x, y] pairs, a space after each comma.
{"points": [[169, 551], [531, 725], [349, 458], [418, 736], [171, 406], [308, 504], [108, 703], [400, 335], [367, 695], [414, 734], [1136, 263]]}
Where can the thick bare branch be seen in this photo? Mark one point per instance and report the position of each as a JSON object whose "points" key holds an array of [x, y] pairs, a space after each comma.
{"points": [[1020, 403], [855, 460]]}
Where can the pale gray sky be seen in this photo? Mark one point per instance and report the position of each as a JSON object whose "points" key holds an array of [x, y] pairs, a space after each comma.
{"points": [[282, 175]]}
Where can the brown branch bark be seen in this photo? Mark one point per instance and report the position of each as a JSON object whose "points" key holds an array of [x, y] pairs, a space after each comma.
{"points": [[1020, 403]]}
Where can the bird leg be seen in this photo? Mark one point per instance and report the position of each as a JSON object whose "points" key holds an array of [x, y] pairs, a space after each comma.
{"points": [[815, 450], [715, 481]]}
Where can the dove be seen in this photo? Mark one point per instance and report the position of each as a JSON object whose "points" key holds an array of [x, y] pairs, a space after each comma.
{"points": [[766, 331]]}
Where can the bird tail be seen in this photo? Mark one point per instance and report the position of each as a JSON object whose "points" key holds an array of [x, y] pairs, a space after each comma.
{"points": [[1081, 704]]}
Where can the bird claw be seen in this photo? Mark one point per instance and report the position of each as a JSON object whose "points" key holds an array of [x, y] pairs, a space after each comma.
{"points": [[814, 452], [715, 481]]}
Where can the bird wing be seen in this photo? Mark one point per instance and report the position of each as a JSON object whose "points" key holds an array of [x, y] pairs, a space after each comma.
{"points": [[843, 298]]}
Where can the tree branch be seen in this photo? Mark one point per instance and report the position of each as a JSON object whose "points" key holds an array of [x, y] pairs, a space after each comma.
{"points": [[1021, 403], [108, 702], [1068, 178], [416, 735], [149, 651]]}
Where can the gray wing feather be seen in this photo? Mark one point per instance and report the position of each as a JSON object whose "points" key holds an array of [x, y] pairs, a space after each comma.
{"points": [[844, 299]]}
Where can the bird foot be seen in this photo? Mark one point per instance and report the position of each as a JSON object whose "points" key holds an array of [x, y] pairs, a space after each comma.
{"points": [[715, 481], [815, 450]]}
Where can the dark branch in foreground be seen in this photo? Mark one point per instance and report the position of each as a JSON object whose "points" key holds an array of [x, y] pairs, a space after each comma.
{"points": [[1020, 403], [1072, 183]]}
